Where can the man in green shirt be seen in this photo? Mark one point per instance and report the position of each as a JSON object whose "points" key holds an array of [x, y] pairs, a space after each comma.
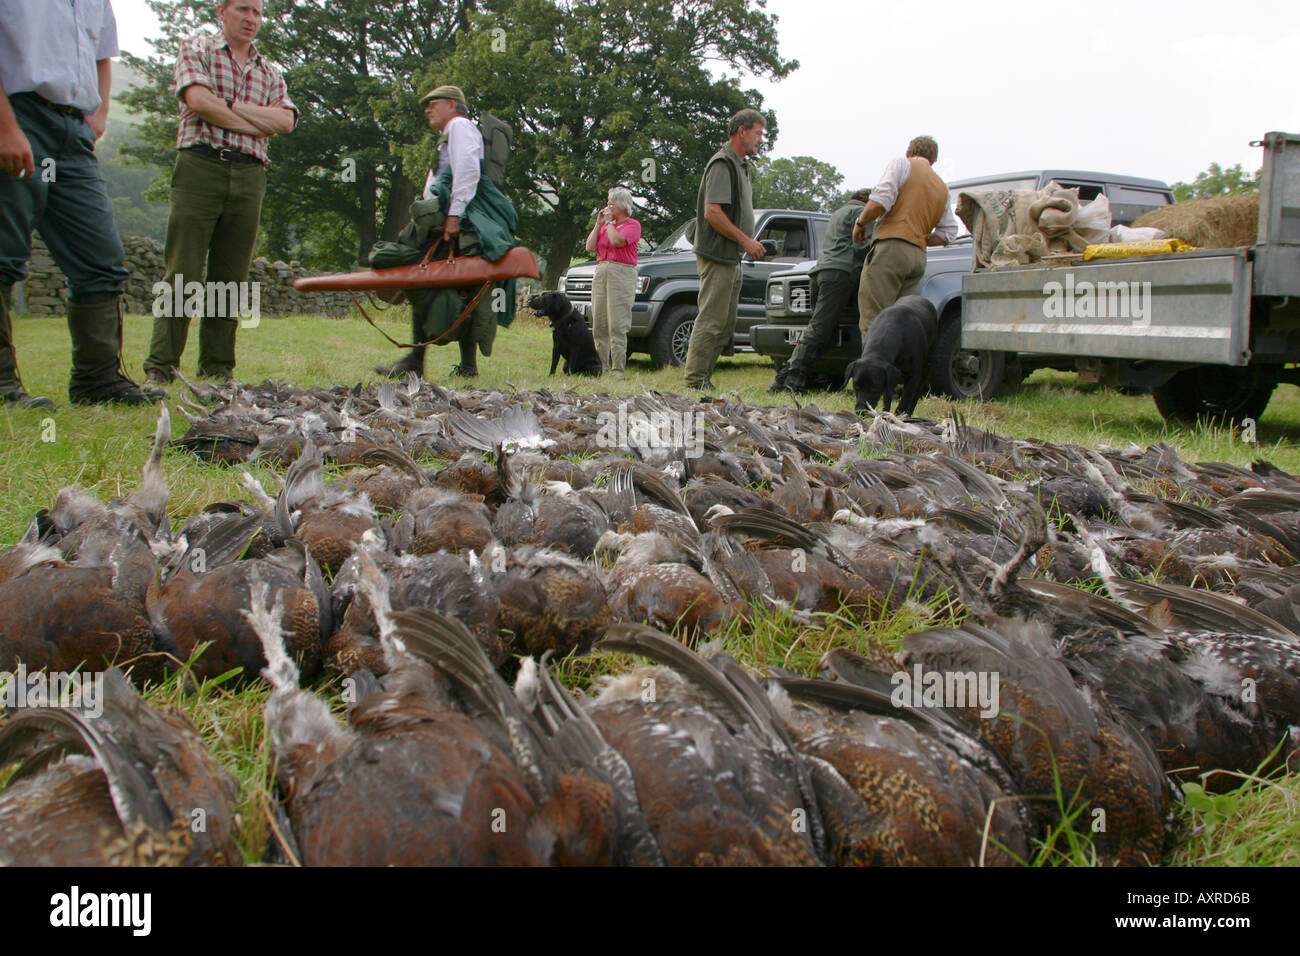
{"points": [[834, 285], [724, 230]]}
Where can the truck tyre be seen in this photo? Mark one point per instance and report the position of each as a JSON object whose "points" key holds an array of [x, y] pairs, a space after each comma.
{"points": [[962, 373], [668, 342], [1216, 393]]}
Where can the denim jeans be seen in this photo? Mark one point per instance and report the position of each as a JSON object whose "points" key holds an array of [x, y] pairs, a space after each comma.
{"points": [[66, 200]]}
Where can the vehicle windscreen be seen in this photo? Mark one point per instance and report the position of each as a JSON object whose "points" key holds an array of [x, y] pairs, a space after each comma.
{"points": [[676, 241]]}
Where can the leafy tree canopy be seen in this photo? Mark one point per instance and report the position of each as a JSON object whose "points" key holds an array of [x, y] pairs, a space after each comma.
{"points": [[798, 183], [599, 92], [1217, 181]]}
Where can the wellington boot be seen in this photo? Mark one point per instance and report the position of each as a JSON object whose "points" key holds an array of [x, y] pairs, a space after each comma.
{"points": [[11, 386], [97, 375]]}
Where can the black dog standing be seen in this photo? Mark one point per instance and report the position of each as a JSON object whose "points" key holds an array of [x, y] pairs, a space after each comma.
{"points": [[896, 351], [570, 336]]}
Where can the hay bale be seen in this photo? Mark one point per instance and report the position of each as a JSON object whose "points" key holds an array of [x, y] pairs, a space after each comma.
{"points": [[1217, 223]]}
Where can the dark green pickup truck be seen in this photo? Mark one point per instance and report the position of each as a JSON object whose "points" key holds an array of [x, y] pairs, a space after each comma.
{"points": [[668, 287]]}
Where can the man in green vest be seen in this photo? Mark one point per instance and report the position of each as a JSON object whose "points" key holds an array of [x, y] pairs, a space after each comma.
{"points": [[911, 202], [834, 282], [724, 231]]}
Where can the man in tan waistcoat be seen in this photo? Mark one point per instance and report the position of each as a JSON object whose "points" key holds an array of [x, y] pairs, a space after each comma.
{"points": [[911, 202]]}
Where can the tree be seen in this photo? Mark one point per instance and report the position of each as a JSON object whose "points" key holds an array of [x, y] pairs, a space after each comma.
{"points": [[607, 93], [798, 183], [349, 67], [1217, 181], [127, 184]]}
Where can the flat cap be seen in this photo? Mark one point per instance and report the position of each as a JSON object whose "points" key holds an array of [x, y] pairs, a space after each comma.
{"points": [[445, 93]]}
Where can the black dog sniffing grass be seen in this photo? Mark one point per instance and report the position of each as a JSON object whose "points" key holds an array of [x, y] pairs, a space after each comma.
{"points": [[570, 336], [895, 351]]}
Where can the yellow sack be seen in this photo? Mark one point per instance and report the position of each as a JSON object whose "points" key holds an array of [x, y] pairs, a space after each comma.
{"points": [[1150, 247]]}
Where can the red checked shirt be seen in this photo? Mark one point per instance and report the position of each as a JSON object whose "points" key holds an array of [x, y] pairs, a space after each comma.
{"points": [[206, 60]]}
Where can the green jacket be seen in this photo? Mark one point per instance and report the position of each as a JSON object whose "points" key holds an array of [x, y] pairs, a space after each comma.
{"points": [[839, 251], [709, 243], [487, 230]]}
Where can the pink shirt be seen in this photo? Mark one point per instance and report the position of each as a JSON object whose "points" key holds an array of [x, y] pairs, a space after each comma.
{"points": [[605, 252]]}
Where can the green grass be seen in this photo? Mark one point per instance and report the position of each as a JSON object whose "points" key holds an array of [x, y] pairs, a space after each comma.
{"points": [[103, 449]]}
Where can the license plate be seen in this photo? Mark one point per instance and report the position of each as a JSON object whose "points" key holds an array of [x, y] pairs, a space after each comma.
{"points": [[580, 307], [792, 336]]}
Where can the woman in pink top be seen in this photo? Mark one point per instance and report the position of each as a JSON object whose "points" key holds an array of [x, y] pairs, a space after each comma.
{"points": [[614, 239]]}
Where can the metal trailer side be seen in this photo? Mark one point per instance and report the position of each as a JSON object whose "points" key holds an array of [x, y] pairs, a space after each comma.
{"points": [[1211, 331]]}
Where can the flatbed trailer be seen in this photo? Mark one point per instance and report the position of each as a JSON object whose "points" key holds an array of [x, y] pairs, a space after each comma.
{"points": [[1211, 332]]}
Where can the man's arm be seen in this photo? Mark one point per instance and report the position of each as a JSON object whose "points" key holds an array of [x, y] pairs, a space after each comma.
{"points": [[716, 218], [269, 119], [883, 196], [465, 153], [15, 151], [947, 229], [212, 109], [98, 120]]}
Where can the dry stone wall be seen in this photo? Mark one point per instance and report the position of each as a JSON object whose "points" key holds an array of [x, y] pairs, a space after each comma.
{"points": [[45, 292]]}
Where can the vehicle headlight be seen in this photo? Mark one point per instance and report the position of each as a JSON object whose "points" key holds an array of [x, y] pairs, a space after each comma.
{"points": [[642, 283], [776, 294], [563, 281]]}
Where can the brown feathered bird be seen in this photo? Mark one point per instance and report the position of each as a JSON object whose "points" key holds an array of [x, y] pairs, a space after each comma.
{"points": [[200, 601], [73, 593], [716, 776], [440, 767], [901, 786], [131, 785]]}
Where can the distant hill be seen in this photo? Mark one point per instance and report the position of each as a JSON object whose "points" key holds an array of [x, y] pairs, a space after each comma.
{"points": [[124, 78]]}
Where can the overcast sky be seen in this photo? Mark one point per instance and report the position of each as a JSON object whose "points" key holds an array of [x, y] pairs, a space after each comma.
{"points": [[1125, 86]]}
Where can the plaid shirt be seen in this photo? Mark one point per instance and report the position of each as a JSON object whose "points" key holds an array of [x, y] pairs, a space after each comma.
{"points": [[206, 60]]}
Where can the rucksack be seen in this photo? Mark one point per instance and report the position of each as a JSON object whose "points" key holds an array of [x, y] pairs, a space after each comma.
{"points": [[498, 137]]}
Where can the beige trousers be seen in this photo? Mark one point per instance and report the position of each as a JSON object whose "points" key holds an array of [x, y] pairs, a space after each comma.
{"points": [[612, 294], [894, 270]]}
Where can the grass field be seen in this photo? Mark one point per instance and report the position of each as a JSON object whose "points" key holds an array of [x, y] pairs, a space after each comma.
{"points": [[102, 449]]}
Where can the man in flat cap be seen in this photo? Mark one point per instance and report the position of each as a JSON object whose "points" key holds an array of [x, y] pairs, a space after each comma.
{"points": [[457, 189]]}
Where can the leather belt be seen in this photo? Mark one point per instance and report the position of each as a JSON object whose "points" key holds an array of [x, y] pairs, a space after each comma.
{"points": [[224, 155], [60, 107]]}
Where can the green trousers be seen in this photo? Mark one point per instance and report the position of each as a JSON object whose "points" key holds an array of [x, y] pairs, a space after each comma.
{"points": [[715, 322], [210, 237], [893, 269]]}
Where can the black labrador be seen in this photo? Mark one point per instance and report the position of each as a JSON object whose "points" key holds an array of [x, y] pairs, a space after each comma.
{"points": [[570, 335], [896, 351]]}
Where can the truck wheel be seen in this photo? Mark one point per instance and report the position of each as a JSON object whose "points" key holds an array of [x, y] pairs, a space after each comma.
{"points": [[962, 373], [1216, 393], [671, 337]]}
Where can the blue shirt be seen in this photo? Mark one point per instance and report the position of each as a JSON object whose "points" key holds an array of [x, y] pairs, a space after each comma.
{"points": [[51, 47]]}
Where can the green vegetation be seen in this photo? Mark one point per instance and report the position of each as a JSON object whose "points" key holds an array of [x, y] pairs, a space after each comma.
{"points": [[102, 450], [1217, 181], [598, 93]]}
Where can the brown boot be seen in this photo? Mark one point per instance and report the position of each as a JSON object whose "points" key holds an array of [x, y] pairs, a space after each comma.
{"points": [[97, 376], [11, 386]]}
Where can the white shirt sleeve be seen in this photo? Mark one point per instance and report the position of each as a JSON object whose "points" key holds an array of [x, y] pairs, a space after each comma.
{"points": [[465, 144], [107, 47], [891, 181], [947, 229]]}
